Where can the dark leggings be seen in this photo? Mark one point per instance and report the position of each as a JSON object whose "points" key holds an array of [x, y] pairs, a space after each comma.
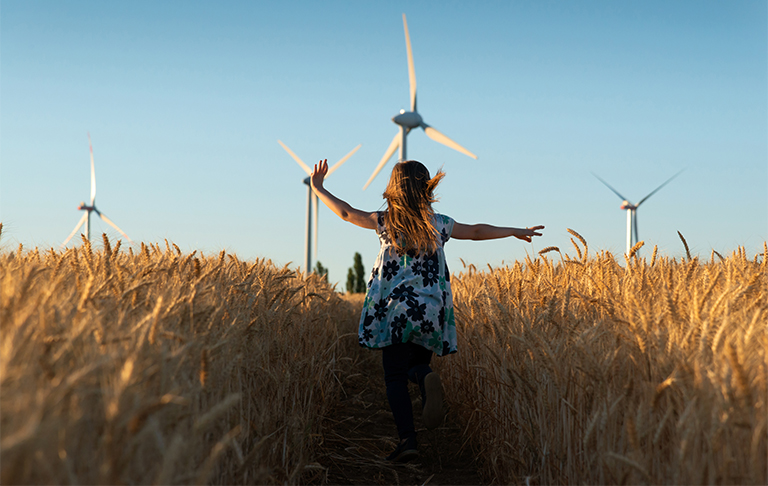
{"points": [[404, 362]]}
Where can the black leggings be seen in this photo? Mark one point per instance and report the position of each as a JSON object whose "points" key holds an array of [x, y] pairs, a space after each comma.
{"points": [[404, 362]]}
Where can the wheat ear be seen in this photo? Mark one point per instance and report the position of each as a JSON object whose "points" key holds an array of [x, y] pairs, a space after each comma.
{"points": [[685, 244]]}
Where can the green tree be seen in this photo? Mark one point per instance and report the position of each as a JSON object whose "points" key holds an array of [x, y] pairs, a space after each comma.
{"points": [[356, 276], [321, 270], [357, 266], [350, 281]]}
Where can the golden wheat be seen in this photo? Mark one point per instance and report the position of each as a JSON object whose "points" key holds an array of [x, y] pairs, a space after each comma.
{"points": [[163, 368], [583, 371]]}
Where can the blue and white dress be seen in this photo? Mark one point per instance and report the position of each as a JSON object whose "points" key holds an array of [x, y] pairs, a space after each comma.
{"points": [[409, 296]]}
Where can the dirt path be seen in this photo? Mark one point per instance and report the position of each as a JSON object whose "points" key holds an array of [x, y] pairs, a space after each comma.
{"points": [[362, 433]]}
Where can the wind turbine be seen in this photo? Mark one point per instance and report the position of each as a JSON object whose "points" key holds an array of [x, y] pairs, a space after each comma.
{"points": [[631, 209], [312, 204], [86, 219], [409, 120]]}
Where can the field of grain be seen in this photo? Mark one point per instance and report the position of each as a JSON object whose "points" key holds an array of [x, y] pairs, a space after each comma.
{"points": [[159, 367], [576, 370], [163, 367]]}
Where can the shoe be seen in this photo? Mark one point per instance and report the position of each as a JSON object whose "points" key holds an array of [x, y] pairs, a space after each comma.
{"points": [[433, 413], [405, 451]]}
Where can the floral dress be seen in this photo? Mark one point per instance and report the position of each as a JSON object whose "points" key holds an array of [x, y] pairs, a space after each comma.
{"points": [[409, 296]]}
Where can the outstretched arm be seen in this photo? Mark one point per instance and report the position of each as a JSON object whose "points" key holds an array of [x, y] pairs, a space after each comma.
{"points": [[346, 212], [490, 232]]}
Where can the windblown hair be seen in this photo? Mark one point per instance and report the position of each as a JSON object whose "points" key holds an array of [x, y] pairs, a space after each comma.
{"points": [[409, 217]]}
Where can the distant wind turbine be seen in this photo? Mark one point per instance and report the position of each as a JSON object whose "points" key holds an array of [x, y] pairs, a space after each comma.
{"points": [[631, 209], [86, 219], [411, 119], [312, 204]]}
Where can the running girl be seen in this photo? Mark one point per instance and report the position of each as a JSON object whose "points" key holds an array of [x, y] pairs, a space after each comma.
{"points": [[408, 308]]}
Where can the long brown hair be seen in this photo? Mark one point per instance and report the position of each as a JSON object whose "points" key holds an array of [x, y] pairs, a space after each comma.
{"points": [[409, 217]]}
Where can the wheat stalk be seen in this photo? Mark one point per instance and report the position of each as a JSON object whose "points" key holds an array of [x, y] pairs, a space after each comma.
{"points": [[582, 240], [685, 244]]}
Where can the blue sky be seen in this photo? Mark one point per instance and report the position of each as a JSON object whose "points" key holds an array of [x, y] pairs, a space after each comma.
{"points": [[185, 102]]}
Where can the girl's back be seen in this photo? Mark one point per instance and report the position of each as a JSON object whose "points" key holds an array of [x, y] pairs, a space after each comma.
{"points": [[409, 293]]}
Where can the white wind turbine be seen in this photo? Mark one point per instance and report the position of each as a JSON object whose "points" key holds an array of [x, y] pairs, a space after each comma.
{"points": [[631, 209], [411, 119], [312, 204], [86, 219]]}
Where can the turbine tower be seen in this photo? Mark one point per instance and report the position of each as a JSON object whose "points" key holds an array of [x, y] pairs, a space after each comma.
{"points": [[86, 219], [408, 120], [312, 205], [631, 209]]}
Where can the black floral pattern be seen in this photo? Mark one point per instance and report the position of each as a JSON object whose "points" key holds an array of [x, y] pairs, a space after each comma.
{"points": [[429, 270], [415, 310], [401, 293], [398, 326], [427, 327], [441, 317], [416, 266], [380, 309], [390, 270]]}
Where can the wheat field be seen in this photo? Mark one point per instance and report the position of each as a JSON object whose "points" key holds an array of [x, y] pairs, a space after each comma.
{"points": [[163, 368], [159, 367], [576, 370]]}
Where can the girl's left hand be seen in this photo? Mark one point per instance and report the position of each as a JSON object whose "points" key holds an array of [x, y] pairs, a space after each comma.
{"points": [[527, 233], [318, 174]]}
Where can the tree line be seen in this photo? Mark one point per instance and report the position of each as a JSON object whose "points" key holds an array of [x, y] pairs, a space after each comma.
{"points": [[355, 275]]}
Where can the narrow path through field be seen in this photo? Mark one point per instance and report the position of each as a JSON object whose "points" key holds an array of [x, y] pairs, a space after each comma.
{"points": [[362, 433]]}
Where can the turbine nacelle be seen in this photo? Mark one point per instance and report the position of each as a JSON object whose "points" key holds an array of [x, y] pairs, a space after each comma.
{"points": [[408, 119], [84, 207], [627, 205]]}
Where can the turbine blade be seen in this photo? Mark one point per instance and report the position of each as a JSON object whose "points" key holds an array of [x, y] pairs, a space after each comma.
{"points": [[344, 159], [296, 158], [109, 222], [655, 190], [93, 172], [440, 138], [411, 70], [387, 155], [609, 187], [74, 231], [77, 227]]}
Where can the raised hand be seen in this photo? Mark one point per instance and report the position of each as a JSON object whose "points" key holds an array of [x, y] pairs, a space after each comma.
{"points": [[527, 233], [319, 173]]}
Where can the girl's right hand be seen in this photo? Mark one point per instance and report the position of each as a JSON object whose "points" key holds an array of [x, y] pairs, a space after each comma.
{"points": [[318, 174]]}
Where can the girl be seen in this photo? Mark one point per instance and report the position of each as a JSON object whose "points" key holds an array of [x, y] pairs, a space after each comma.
{"points": [[408, 308]]}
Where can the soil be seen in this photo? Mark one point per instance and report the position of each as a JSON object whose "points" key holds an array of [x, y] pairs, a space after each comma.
{"points": [[362, 433]]}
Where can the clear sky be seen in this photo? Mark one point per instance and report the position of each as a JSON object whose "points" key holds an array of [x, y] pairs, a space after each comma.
{"points": [[185, 102]]}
